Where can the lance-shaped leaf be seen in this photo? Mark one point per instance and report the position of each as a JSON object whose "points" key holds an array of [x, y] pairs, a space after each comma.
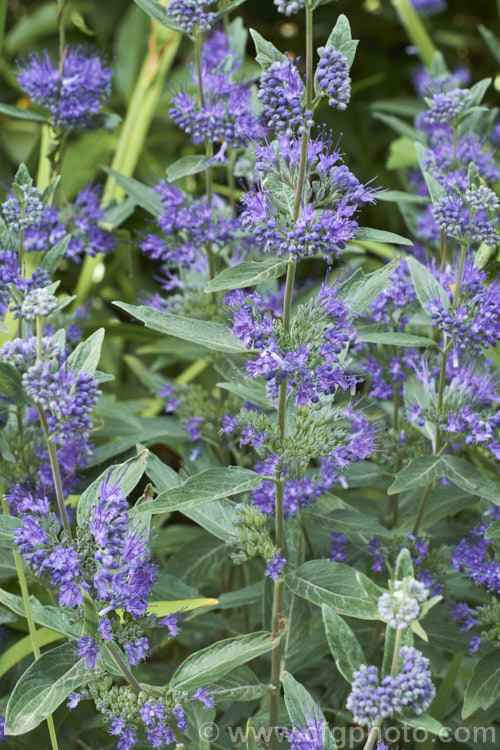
{"points": [[188, 165], [43, 687], [213, 336], [341, 39], [483, 688], [158, 12], [426, 286], [302, 707], [212, 484], [267, 54], [344, 645], [468, 478], [143, 195], [8, 525], [248, 273], [381, 235], [21, 114], [337, 585], [203, 667], [87, 354], [360, 290], [417, 473]]}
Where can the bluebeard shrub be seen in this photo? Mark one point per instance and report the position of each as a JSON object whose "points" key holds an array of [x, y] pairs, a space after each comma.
{"points": [[288, 448]]}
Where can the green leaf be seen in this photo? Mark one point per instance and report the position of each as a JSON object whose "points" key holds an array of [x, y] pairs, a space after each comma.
{"points": [[8, 525], [194, 563], [467, 477], [267, 54], [483, 689], [249, 390], [344, 645], [147, 430], [248, 273], [341, 39], [395, 339], [212, 484], [493, 531], [188, 165], [426, 286], [21, 114], [228, 8], [398, 196], [478, 91], [128, 474], [301, 706], [424, 721], [51, 617], [337, 585], [402, 154], [218, 517], [43, 687], [162, 609], [213, 336], [473, 176], [380, 235], [11, 382], [141, 194], [203, 667], [400, 126], [491, 40], [240, 685], [53, 257], [87, 354], [158, 12], [417, 473], [360, 290], [24, 647], [404, 565]]}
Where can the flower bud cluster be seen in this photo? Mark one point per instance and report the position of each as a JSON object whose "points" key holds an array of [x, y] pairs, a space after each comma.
{"points": [[38, 302], [401, 607], [254, 540], [282, 96], [333, 78]]}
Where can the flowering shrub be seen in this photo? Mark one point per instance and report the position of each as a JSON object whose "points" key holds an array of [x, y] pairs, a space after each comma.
{"points": [[248, 444]]}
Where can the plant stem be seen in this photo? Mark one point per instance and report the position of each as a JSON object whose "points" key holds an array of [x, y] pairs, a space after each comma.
{"points": [[28, 611], [442, 383], [372, 736], [56, 475], [395, 656], [123, 667], [276, 663]]}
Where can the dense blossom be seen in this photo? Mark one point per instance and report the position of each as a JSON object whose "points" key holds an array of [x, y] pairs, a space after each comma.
{"points": [[475, 556], [328, 206], [81, 219], [308, 735], [192, 15], [225, 115], [332, 76], [312, 363], [338, 548], [289, 7], [373, 698], [71, 92], [282, 96], [474, 322], [470, 404]]}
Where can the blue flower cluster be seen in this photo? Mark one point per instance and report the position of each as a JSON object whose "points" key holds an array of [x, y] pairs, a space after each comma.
{"points": [[282, 96], [373, 699], [224, 115], [328, 205], [332, 77], [71, 91]]}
